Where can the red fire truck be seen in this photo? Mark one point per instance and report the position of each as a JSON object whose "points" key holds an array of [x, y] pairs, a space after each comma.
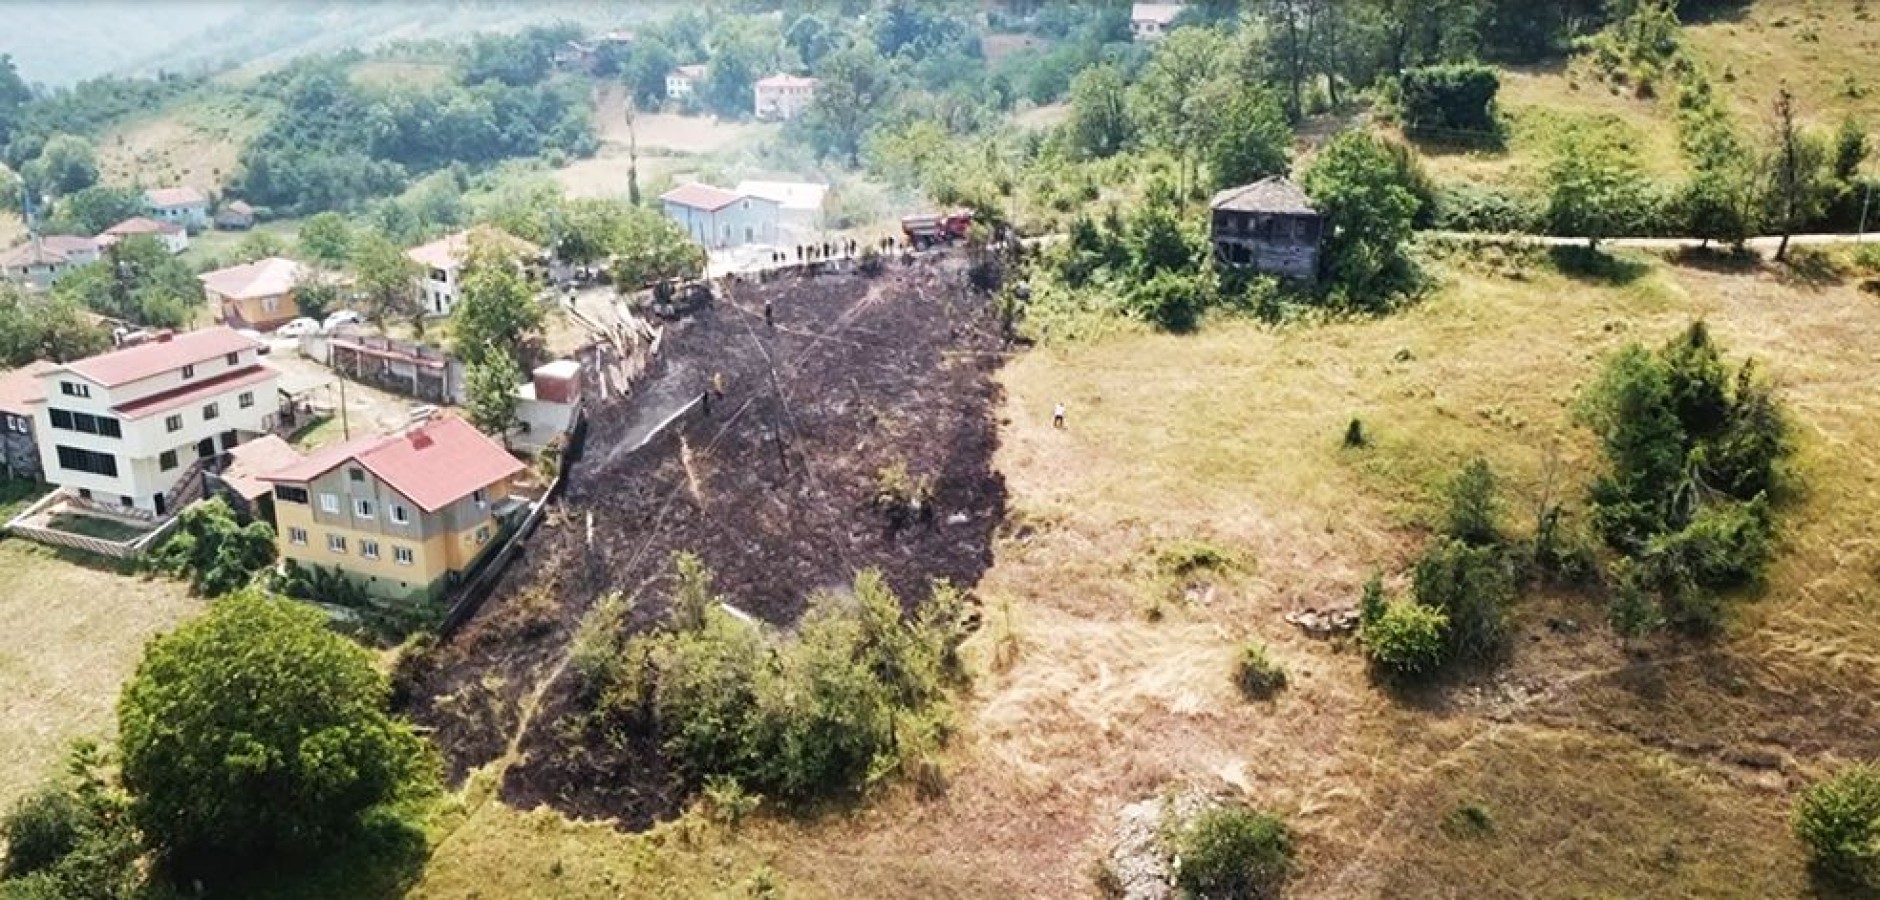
{"points": [[928, 229]]}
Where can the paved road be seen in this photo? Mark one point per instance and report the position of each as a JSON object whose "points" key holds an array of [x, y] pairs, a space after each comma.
{"points": [[1763, 245]]}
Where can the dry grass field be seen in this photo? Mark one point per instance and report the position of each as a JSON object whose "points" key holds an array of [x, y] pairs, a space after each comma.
{"points": [[1666, 773], [196, 142], [1823, 49], [72, 634]]}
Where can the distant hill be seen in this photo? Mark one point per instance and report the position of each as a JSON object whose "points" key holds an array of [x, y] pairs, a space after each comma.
{"points": [[56, 43]]}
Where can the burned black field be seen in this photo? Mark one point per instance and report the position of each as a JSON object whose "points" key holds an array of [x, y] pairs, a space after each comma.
{"points": [[774, 488]]}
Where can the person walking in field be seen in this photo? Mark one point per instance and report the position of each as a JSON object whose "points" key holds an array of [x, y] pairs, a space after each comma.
{"points": [[1057, 416], [718, 384]]}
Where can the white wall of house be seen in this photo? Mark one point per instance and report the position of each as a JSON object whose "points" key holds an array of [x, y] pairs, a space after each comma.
{"points": [[749, 220], [438, 289], [138, 452], [188, 215]]}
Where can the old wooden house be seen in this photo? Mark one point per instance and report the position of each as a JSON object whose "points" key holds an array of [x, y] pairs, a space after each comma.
{"points": [[1270, 226]]}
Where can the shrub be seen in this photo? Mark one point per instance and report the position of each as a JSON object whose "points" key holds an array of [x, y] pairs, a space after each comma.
{"points": [[1233, 852], [1171, 301], [1465, 206], [1354, 434], [41, 829], [1469, 820], [1408, 640], [1839, 821], [1258, 676], [1473, 587], [1454, 98], [214, 550], [1472, 504]]}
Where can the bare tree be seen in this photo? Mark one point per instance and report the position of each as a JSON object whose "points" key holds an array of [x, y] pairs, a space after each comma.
{"points": [[1795, 168]]}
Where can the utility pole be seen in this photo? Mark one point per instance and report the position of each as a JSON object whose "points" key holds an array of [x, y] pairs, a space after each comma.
{"points": [[345, 428], [1864, 204]]}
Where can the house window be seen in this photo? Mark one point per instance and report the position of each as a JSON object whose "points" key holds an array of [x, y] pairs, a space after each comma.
{"points": [[234, 359], [483, 535], [290, 494], [173, 423], [189, 371], [329, 503], [401, 555], [210, 412], [297, 536], [74, 389], [247, 399], [336, 543], [77, 460], [17, 424], [356, 475], [166, 460], [399, 515], [481, 498], [369, 549], [86, 423], [362, 509], [268, 304]]}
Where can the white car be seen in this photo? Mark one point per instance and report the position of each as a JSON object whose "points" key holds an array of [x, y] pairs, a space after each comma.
{"points": [[343, 317], [261, 343], [298, 328]]}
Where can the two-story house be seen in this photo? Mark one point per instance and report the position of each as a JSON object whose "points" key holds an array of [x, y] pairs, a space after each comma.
{"points": [[682, 81], [1149, 21], [183, 206], [173, 236], [123, 428], [1268, 226], [441, 263], [403, 515], [42, 261], [715, 217], [783, 97], [259, 294]]}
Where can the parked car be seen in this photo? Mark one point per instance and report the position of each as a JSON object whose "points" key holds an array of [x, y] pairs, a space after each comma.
{"points": [[342, 317], [261, 343], [298, 328]]}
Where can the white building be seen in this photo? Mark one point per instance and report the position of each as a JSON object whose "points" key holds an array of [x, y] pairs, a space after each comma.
{"points": [[680, 82], [183, 206], [799, 203], [42, 261], [441, 283], [1148, 21], [173, 236], [717, 218], [122, 428], [784, 97], [545, 407]]}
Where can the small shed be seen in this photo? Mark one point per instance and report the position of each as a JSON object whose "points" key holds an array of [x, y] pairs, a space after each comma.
{"points": [[236, 216], [1270, 226]]}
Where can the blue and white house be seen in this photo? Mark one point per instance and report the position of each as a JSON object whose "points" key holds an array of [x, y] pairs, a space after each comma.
{"points": [[718, 218]]}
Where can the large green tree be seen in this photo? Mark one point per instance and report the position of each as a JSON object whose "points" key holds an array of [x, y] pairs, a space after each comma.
{"points": [[52, 327], [256, 732], [497, 314], [387, 278], [326, 238], [1250, 140], [490, 387], [1369, 215], [854, 92], [1100, 123], [1173, 93]]}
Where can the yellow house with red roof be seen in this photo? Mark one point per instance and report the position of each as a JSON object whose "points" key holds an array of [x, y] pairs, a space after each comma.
{"points": [[402, 515]]}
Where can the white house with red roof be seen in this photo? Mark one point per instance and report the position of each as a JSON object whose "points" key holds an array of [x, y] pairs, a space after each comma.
{"points": [[123, 428], [716, 217], [402, 515], [683, 81], [174, 237], [441, 262], [783, 97], [43, 260], [183, 206]]}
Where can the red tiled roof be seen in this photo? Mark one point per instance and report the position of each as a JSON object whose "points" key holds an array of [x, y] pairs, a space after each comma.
{"points": [[176, 196], [21, 388], [143, 225], [145, 407], [433, 465], [269, 277], [700, 195], [52, 248], [156, 357]]}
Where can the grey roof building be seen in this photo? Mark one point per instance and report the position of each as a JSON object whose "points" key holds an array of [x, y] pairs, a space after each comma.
{"points": [[1270, 226]]}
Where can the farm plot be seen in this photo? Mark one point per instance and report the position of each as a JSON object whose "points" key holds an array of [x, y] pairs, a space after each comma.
{"points": [[774, 489]]}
